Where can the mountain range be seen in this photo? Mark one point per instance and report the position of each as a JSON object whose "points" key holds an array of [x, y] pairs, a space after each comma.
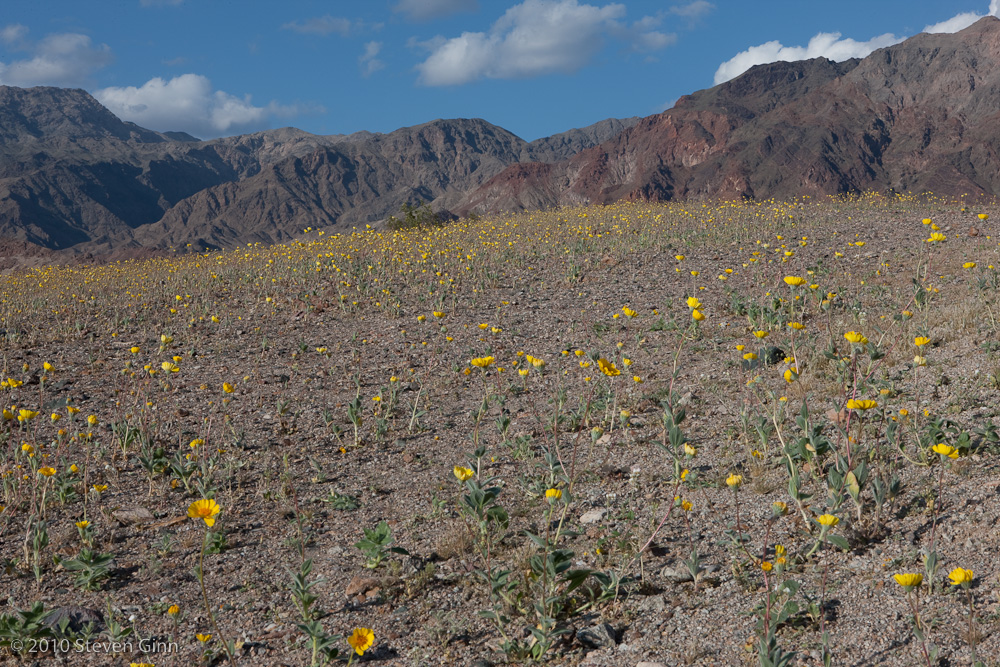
{"points": [[918, 116]]}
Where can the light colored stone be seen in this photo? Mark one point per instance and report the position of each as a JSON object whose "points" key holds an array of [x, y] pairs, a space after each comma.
{"points": [[593, 516]]}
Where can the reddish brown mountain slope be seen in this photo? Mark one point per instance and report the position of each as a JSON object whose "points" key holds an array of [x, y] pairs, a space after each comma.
{"points": [[921, 115]]}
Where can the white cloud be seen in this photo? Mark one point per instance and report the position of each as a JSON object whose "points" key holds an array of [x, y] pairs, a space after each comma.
{"points": [[369, 61], [823, 45], [693, 10], [322, 25], [533, 38], [61, 59], [13, 34], [642, 35], [963, 20], [190, 104], [653, 41], [955, 23], [424, 10]]}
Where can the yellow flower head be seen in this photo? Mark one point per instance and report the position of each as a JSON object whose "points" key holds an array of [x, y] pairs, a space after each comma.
{"points": [[100, 488], [794, 281], [734, 481], [961, 577], [203, 638], [361, 640], [856, 338], [969, 265], [689, 450], [629, 312], [920, 341], [26, 415], [936, 237], [228, 388], [170, 367], [945, 450], [482, 362], [909, 581], [553, 494], [82, 524], [761, 334], [779, 508], [174, 610], [919, 360], [827, 520], [205, 509], [607, 367], [697, 315], [693, 303], [48, 471], [798, 326], [463, 473], [864, 404]]}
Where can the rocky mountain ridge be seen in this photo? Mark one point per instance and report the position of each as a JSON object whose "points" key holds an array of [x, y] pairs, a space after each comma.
{"points": [[918, 116], [74, 176]]}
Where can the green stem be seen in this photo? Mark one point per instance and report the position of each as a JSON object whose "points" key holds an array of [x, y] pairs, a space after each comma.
{"points": [[208, 606]]}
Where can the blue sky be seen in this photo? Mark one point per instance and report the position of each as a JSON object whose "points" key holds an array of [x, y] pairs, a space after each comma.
{"points": [[535, 67]]}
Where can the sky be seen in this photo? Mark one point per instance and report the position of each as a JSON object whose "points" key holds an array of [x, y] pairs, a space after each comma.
{"points": [[536, 67]]}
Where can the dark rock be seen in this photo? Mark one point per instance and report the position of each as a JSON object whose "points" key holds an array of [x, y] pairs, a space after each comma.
{"points": [[75, 617], [598, 636]]}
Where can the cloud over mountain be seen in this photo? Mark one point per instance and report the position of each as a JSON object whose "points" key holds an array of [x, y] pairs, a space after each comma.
{"points": [[831, 45], [189, 103], [823, 45]]}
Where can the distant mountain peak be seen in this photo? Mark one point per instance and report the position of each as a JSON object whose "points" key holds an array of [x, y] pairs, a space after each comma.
{"points": [[73, 175], [920, 115]]}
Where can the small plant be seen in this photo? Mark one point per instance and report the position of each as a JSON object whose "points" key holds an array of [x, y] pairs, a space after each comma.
{"points": [[23, 629], [91, 568], [321, 644], [375, 545], [342, 502], [206, 510], [38, 538]]}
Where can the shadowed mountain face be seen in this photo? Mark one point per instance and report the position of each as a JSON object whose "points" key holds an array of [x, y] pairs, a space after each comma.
{"points": [[921, 115], [72, 175], [918, 116]]}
